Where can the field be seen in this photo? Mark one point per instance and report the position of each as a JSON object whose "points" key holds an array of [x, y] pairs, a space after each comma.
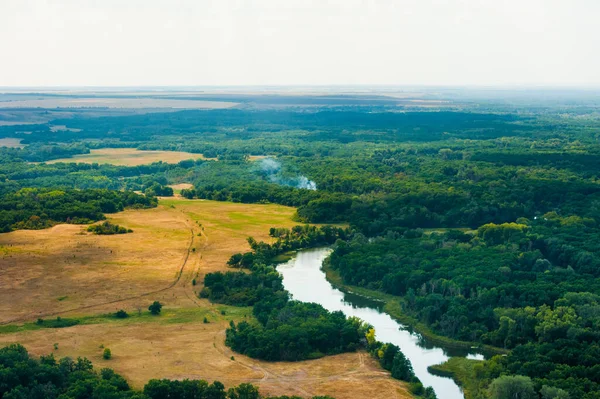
{"points": [[68, 272], [11, 143], [129, 157]]}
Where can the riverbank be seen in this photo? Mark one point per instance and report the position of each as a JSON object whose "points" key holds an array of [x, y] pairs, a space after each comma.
{"points": [[461, 370], [393, 308]]}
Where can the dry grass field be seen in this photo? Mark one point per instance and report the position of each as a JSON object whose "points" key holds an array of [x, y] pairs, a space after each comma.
{"points": [[64, 267], [129, 157], [66, 271]]}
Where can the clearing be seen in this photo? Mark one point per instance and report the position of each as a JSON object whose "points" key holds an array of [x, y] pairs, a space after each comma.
{"points": [[68, 272], [130, 157], [11, 143]]}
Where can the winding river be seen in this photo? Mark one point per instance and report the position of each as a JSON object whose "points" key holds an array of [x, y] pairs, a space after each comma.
{"points": [[304, 279]]}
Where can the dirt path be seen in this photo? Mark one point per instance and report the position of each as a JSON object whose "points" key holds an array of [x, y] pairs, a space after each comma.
{"points": [[31, 316]]}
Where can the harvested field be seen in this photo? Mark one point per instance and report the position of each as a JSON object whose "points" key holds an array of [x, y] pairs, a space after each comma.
{"points": [[129, 157]]}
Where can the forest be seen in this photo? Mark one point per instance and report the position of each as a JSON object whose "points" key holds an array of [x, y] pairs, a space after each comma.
{"points": [[482, 221]]}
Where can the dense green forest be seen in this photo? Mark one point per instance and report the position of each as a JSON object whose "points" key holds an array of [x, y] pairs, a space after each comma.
{"points": [[24, 377], [483, 221]]}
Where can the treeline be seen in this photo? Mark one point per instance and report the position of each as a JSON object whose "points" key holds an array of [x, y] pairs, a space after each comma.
{"points": [[23, 377], [32, 208], [531, 286], [391, 358], [45, 152]]}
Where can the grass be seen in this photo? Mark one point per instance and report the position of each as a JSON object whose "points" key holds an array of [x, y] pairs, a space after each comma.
{"points": [[462, 370], [168, 316], [393, 307], [129, 157]]}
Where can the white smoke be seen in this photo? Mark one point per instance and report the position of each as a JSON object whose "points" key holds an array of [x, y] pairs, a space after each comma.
{"points": [[303, 182], [271, 169]]}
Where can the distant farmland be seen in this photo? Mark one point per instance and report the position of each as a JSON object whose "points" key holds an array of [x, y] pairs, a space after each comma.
{"points": [[129, 157], [115, 102]]}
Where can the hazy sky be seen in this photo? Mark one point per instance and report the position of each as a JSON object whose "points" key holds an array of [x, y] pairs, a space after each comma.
{"points": [[299, 42]]}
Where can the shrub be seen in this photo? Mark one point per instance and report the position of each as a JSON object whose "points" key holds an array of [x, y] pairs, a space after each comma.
{"points": [[155, 308], [107, 228], [121, 314]]}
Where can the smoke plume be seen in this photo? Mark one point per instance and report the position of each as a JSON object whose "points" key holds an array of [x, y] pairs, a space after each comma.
{"points": [[271, 169]]}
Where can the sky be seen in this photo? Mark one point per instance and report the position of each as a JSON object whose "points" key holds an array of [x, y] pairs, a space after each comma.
{"points": [[299, 42]]}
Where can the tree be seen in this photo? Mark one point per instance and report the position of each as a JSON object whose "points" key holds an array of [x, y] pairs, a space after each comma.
{"points": [[512, 387], [107, 354], [549, 392], [401, 368], [155, 308], [243, 391], [121, 314]]}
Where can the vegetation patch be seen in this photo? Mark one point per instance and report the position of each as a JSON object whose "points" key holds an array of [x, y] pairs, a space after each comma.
{"points": [[59, 322], [464, 372], [107, 228]]}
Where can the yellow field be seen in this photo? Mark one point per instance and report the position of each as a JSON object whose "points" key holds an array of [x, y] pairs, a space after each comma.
{"points": [[129, 157], [66, 271]]}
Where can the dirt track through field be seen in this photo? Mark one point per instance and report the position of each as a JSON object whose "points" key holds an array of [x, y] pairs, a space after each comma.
{"points": [[173, 284]]}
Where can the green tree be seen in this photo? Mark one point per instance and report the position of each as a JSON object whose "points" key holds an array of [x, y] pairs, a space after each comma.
{"points": [[121, 314], [512, 387], [243, 391], [155, 308], [549, 392], [107, 354], [401, 368]]}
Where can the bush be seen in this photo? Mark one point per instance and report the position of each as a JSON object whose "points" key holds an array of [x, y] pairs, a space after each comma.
{"points": [[155, 308], [107, 228], [121, 314], [107, 354]]}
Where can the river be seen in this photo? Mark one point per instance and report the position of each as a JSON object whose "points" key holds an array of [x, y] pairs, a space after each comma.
{"points": [[304, 279]]}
